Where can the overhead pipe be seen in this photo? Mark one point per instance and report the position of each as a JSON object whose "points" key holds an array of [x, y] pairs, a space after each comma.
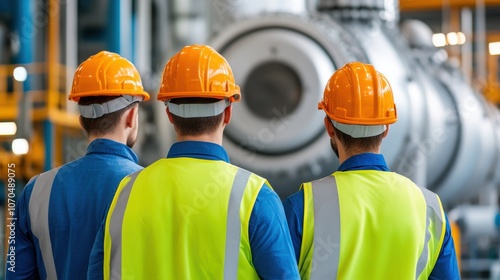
{"points": [[480, 40], [143, 39], [26, 33], [119, 28], [71, 49]]}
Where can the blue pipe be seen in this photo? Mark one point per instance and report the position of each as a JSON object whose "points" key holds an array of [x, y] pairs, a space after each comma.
{"points": [[133, 36], [120, 28], [48, 133], [113, 27], [24, 27]]}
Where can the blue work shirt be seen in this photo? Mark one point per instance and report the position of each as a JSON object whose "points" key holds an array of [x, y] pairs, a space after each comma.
{"points": [[272, 250], [81, 194], [446, 266]]}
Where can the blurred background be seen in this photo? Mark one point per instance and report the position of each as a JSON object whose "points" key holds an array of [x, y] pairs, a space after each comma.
{"points": [[441, 57]]}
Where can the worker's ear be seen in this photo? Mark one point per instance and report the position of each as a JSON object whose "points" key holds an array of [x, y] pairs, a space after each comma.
{"points": [[329, 127], [169, 116], [131, 115], [227, 114], [386, 131]]}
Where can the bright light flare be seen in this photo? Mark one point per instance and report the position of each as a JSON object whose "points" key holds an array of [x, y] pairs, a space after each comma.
{"points": [[8, 128], [20, 74], [452, 38], [494, 48], [439, 40], [20, 146]]}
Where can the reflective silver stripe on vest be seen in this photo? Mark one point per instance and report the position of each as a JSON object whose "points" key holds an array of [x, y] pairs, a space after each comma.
{"points": [[39, 218], [434, 215], [326, 229], [115, 228], [233, 225], [233, 229]]}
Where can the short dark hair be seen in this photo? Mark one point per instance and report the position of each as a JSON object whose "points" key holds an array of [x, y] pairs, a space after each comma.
{"points": [[196, 126], [352, 144], [106, 123]]}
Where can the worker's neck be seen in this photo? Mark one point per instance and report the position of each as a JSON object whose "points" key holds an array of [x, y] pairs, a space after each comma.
{"points": [[111, 136], [212, 138], [344, 155]]}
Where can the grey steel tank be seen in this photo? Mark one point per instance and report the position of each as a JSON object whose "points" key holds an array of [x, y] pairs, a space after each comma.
{"points": [[447, 137]]}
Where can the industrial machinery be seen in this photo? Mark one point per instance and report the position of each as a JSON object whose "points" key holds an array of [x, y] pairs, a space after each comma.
{"points": [[282, 53], [446, 138]]}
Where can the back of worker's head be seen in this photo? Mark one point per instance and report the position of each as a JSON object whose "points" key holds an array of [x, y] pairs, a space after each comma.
{"points": [[106, 123], [105, 86], [197, 87], [359, 103]]}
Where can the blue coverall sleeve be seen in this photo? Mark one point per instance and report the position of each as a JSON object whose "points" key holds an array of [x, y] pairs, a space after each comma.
{"points": [[446, 266], [96, 259], [21, 254], [272, 250], [294, 217]]}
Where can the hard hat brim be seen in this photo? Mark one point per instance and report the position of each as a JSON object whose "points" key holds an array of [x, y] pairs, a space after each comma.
{"points": [[76, 96], [359, 121], [232, 96]]}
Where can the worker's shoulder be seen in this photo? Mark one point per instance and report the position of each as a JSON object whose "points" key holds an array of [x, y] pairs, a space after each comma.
{"points": [[252, 175], [403, 178], [28, 188], [409, 182]]}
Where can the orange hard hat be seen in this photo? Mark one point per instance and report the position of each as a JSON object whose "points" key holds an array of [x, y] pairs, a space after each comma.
{"points": [[198, 71], [357, 94], [106, 74]]}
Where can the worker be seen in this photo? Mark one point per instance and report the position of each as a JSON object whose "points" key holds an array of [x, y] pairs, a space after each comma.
{"points": [[193, 215], [363, 221], [60, 211]]}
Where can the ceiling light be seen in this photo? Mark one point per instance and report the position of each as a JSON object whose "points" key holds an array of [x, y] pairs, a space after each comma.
{"points": [[20, 146], [8, 128], [20, 74], [439, 40], [452, 38], [461, 38], [494, 48]]}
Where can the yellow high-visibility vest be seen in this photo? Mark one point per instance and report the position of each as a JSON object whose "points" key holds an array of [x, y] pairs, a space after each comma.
{"points": [[368, 224], [182, 218]]}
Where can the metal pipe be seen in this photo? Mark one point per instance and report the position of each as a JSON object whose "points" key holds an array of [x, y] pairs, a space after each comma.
{"points": [[445, 20], [481, 75], [143, 49], [48, 135], [125, 29], [165, 38], [119, 27], [475, 221], [466, 27], [25, 29], [71, 47], [189, 21], [53, 54]]}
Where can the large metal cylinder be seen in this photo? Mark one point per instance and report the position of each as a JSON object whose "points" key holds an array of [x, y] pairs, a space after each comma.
{"points": [[224, 12], [446, 137]]}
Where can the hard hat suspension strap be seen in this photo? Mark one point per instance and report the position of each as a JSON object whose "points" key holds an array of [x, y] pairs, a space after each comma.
{"points": [[359, 131], [94, 111], [198, 110]]}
